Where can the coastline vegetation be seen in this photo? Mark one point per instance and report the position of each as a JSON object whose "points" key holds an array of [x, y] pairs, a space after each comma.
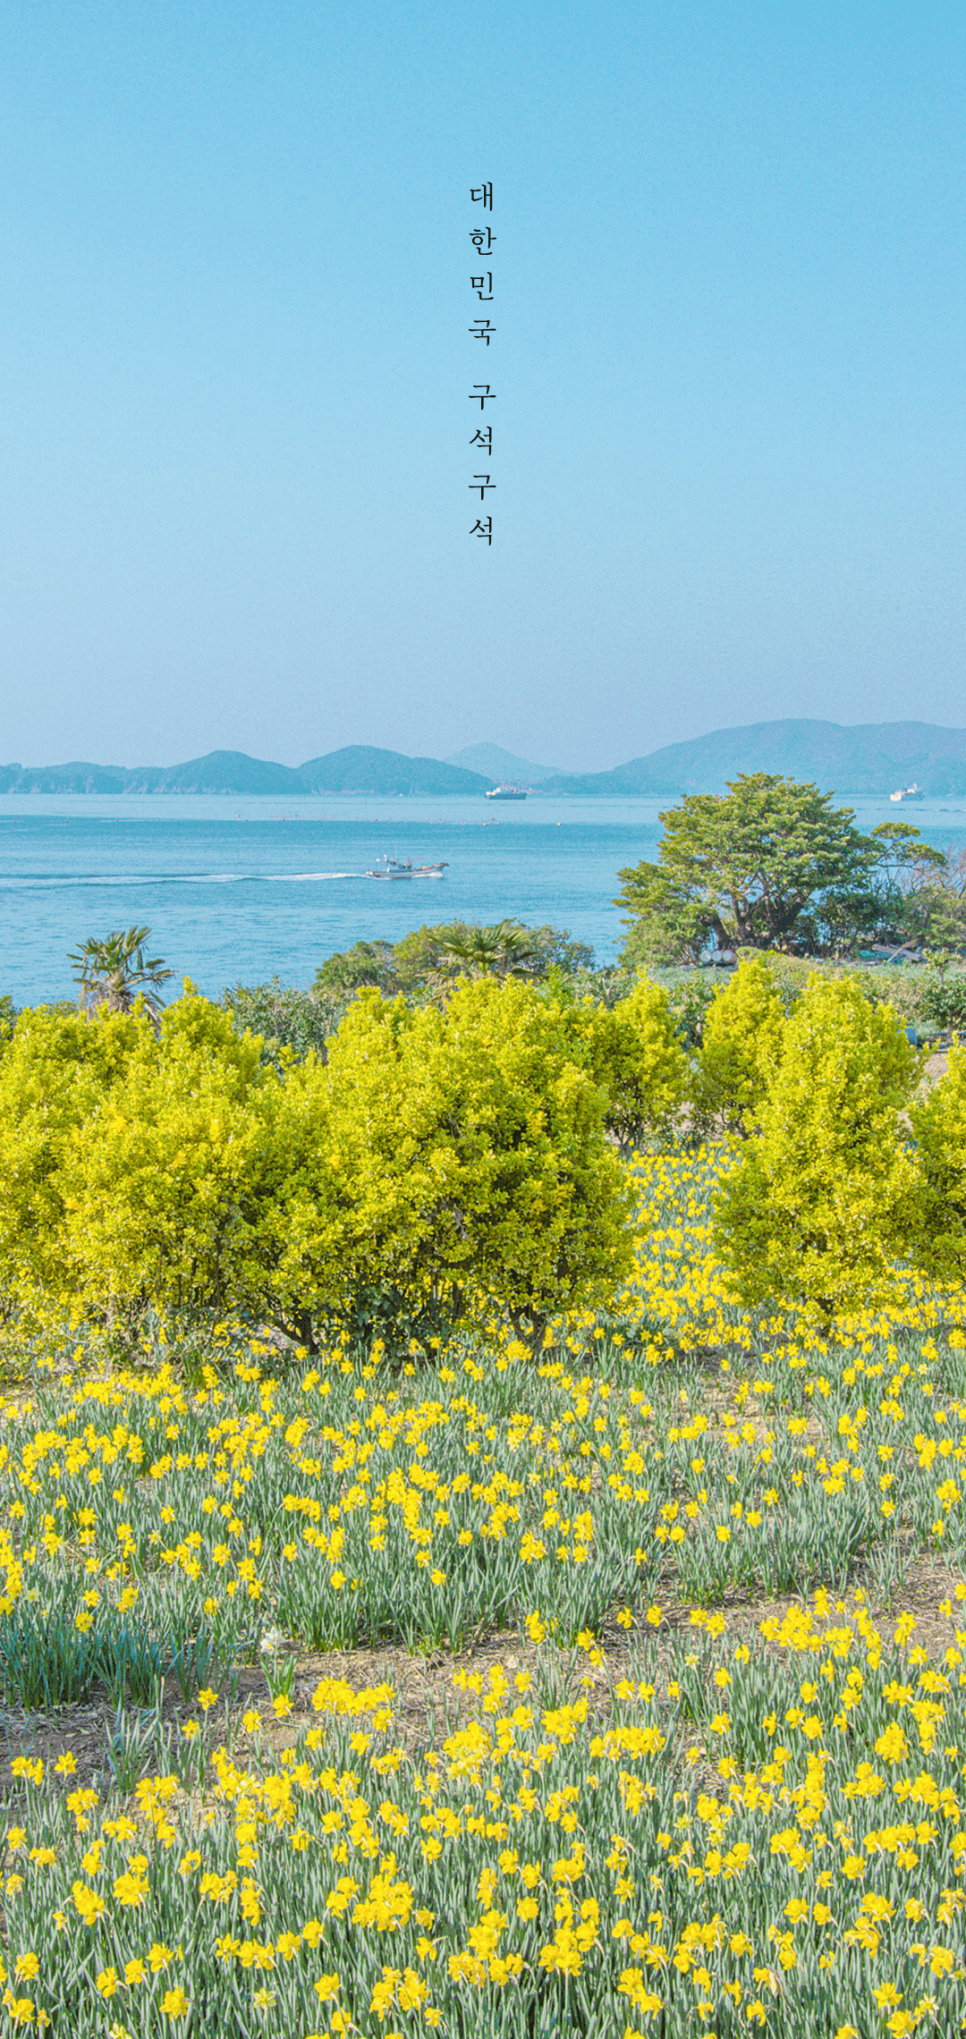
{"points": [[773, 865]]}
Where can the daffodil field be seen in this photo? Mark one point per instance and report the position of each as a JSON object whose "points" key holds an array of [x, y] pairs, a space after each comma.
{"points": [[692, 1766]]}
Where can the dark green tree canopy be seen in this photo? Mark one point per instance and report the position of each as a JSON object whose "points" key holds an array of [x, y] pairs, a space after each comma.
{"points": [[432, 957], [771, 864]]}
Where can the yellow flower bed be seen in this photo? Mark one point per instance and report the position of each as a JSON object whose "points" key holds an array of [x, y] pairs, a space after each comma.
{"points": [[753, 1826], [635, 1872]]}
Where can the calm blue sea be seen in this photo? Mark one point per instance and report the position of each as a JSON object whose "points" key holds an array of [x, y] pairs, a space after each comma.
{"points": [[239, 890]]}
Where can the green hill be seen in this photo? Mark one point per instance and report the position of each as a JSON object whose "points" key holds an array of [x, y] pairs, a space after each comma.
{"points": [[498, 764], [871, 757], [358, 769], [361, 769]]}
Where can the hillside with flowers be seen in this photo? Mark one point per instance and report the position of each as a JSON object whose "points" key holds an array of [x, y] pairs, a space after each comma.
{"points": [[482, 1536]]}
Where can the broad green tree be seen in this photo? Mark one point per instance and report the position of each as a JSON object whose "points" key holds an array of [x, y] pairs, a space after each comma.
{"points": [[771, 864], [366, 963], [934, 897], [824, 1197]]}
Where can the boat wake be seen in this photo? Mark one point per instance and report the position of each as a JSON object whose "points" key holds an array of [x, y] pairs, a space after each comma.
{"points": [[67, 881]]}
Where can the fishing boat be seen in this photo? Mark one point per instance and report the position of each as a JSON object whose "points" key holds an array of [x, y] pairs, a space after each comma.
{"points": [[505, 793], [390, 867]]}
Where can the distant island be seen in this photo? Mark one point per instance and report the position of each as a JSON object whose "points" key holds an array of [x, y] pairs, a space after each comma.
{"points": [[357, 769], [870, 757], [503, 765]]}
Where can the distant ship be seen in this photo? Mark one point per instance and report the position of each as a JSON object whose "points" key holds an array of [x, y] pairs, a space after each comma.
{"points": [[505, 793], [907, 793], [392, 868]]}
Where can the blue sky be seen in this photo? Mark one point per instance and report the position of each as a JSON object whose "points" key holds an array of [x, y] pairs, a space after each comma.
{"points": [[235, 357]]}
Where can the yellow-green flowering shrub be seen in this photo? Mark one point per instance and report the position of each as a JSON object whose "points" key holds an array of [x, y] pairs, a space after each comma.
{"points": [[823, 1197], [163, 1180], [55, 1070], [740, 1047], [437, 1159], [939, 1126], [477, 1145], [633, 1053]]}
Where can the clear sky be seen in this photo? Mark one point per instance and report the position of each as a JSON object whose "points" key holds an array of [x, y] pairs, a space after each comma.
{"points": [[729, 435]]}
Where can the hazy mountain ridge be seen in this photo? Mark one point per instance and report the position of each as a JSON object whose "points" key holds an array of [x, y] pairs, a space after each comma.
{"points": [[498, 764], [359, 768], [871, 757]]}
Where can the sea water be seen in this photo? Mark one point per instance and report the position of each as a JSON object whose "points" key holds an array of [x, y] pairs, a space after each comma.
{"points": [[239, 889]]}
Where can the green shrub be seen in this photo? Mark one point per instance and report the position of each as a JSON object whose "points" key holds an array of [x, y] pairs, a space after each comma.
{"points": [[944, 1000], [285, 1017], [740, 1047], [475, 1145], [430, 958], [939, 1127], [689, 994], [633, 1053], [451, 1157], [824, 1196]]}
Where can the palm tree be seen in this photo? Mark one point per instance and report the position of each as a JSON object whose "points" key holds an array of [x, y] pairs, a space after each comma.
{"points": [[505, 950], [113, 973]]}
